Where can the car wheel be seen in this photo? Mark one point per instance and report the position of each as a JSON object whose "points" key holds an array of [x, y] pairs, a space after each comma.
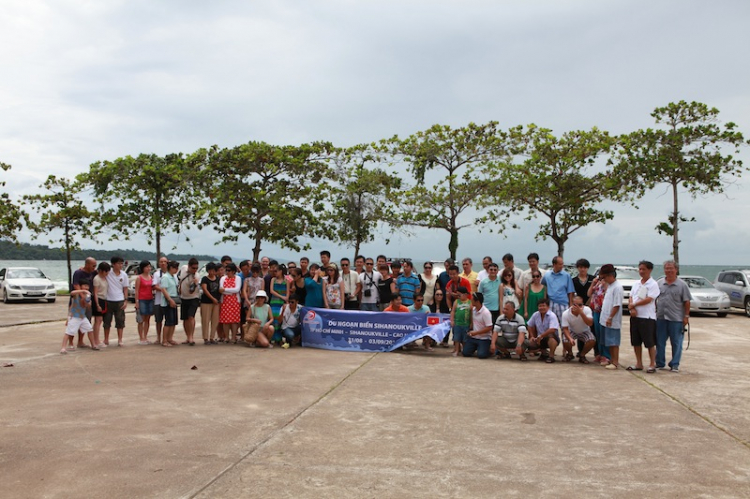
{"points": [[721, 314], [747, 306]]}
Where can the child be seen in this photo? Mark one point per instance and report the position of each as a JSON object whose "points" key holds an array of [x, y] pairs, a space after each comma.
{"points": [[261, 322], [80, 303], [460, 319]]}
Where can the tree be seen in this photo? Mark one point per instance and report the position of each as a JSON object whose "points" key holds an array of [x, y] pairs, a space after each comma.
{"points": [[147, 194], [360, 196], [10, 214], [556, 181], [61, 209], [463, 157], [267, 192], [685, 154]]}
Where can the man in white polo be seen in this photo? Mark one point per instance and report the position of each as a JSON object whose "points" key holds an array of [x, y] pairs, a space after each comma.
{"points": [[642, 307], [117, 299], [577, 322]]}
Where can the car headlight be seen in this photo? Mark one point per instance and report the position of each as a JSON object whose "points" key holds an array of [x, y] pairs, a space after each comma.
{"points": [[13, 287]]}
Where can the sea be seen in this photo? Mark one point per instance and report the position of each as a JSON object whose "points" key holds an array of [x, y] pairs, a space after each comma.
{"points": [[57, 270]]}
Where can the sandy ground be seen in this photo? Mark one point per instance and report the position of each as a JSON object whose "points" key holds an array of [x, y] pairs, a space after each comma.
{"points": [[138, 421]]}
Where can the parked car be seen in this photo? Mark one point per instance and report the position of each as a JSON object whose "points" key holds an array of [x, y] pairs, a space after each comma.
{"points": [[735, 283], [132, 272], [627, 276], [705, 297], [26, 283]]}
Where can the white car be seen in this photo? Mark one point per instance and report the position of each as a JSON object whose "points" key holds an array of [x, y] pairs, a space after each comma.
{"points": [[627, 276], [704, 297], [26, 283]]}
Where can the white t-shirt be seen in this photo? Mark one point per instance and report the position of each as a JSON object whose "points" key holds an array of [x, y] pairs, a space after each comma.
{"points": [[575, 323], [370, 282], [115, 286], [526, 277], [482, 275], [350, 283], [185, 281], [481, 319], [639, 292], [157, 282], [612, 298]]}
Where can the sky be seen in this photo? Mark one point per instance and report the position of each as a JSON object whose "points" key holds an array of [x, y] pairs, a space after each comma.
{"points": [[86, 81]]}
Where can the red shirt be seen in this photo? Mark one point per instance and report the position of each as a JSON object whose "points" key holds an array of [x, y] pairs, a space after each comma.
{"points": [[401, 309], [451, 287]]}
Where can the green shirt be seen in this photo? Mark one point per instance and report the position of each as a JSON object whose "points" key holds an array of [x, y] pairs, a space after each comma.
{"points": [[463, 313]]}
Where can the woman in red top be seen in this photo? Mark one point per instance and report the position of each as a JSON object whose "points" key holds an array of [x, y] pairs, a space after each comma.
{"points": [[144, 301]]}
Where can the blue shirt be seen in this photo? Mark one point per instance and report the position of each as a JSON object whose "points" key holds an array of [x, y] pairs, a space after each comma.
{"points": [[407, 288], [425, 309], [491, 291], [314, 293], [559, 284]]}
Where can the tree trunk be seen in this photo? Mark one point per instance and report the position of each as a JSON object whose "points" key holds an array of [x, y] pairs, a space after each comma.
{"points": [[157, 203], [67, 252], [560, 246], [453, 244], [256, 248], [675, 221]]}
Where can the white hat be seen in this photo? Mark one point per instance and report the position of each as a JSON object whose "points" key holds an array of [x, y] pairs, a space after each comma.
{"points": [[261, 293]]}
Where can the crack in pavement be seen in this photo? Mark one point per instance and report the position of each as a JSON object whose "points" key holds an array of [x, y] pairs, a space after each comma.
{"points": [[275, 432]]}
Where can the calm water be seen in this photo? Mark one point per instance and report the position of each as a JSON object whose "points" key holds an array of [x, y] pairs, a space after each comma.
{"points": [[57, 271]]}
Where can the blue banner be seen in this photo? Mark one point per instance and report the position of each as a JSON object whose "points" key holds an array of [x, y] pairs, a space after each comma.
{"points": [[355, 331]]}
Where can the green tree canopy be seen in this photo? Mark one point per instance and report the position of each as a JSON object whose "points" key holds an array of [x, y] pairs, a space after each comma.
{"points": [[10, 214], [61, 209], [687, 153], [557, 183], [267, 192]]}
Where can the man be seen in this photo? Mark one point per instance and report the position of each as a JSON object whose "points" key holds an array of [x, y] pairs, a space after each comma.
{"points": [[396, 305], [369, 280], [577, 322], [304, 263], [642, 307], [543, 329], [117, 299], [509, 264], [395, 270], [509, 332], [673, 315], [560, 289], [469, 274], [408, 284], [484, 273], [480, 336], [443, 278], [490, 289], [359, 264], [454, 283], [380, 260], [265, 264], [526, 275], [158, 311], [352, 286], [611, 316], [325, 259], [189, 289], [85, 274]]}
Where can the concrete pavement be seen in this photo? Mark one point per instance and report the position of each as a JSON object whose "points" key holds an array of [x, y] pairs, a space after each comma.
{"points": [[138, 421]]}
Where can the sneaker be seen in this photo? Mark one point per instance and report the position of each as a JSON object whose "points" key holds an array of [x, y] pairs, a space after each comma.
{"points": [[674, 369]]}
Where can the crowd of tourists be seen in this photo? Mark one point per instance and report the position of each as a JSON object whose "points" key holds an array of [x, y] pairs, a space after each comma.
{"points": [[498, 311]]}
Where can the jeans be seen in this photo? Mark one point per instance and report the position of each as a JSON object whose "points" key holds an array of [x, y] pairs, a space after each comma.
{"points": [[675, 332], [599, 348], [370, 307], [482, 347], [289, 333]]}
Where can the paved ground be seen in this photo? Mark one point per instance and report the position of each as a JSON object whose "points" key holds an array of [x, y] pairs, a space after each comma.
{"points": [[138, 421]]}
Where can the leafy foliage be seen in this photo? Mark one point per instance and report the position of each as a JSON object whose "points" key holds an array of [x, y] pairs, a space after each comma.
{"points": [[10, 214]]}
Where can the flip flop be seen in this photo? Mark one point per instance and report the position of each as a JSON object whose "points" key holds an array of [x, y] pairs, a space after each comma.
{"points": [[651, 370], [633, 368]]}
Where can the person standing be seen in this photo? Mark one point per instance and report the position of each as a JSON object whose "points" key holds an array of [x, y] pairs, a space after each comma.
{"points": [[85, 274], [333, 288], [444, 276], [156, 283], [169, 293], [509, 264], [582, 282], [490, 289], [560, 289], [117, 299], [526, 275], [210, 306], [429, 284], [386, 286], [485, 272], [189, 299], [99, 300], [642, 307], [369, 285], [673, 316], [144, 301], [469, 274], [352, 286], [596, 299], [461, 318], [408, 284], [229, 287], [611, 317]]}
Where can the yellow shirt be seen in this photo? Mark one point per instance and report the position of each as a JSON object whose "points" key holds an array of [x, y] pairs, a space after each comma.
{"points": [[472, 278]]}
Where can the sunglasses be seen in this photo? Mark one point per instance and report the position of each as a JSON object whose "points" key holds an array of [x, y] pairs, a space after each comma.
{"points": [[344, 264], [536, 276]]}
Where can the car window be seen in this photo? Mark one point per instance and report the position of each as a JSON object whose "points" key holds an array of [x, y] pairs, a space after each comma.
{"points": [[727, 278], [697, 282], [2, 274]]}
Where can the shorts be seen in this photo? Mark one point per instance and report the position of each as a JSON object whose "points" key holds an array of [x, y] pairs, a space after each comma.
{"points": [[611, 337], [460, 333], [189, 307], [504, 344], [76, 324], [114, 309], [584, 336], [103, 304], [545, 341], [170, 315], [642, 332], [158, 314]]}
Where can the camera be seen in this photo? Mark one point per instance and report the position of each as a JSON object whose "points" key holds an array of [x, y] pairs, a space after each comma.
{"points": [[367, 293]]}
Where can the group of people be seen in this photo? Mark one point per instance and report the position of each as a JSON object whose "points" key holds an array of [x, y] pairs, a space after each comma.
{"points": [[492, 312]]}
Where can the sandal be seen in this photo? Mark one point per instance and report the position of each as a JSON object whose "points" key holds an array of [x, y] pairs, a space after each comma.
{"points": [[583, 360], [523, 357], [651, 370], [505, 355], [166, 344], [633, 368], [568, 357], [549, 360]]}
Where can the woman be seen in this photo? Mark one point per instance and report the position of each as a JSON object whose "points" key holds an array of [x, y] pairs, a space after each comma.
{"points": [[532, 294], [439, 304], [252, 285], [333, 288], [508, 291], [144, 301], [279, 297], [386, 286], [229, 287], [596, 299], [100, 302], [210, 305], [169, 296], [261, 328], [429, 284], [582, 282]]}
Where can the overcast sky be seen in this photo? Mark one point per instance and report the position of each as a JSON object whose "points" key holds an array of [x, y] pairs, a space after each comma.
{"points": [[84, 81]]}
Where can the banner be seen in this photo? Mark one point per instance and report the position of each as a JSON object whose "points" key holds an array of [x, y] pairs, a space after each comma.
{"points": [[352, 330]]}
